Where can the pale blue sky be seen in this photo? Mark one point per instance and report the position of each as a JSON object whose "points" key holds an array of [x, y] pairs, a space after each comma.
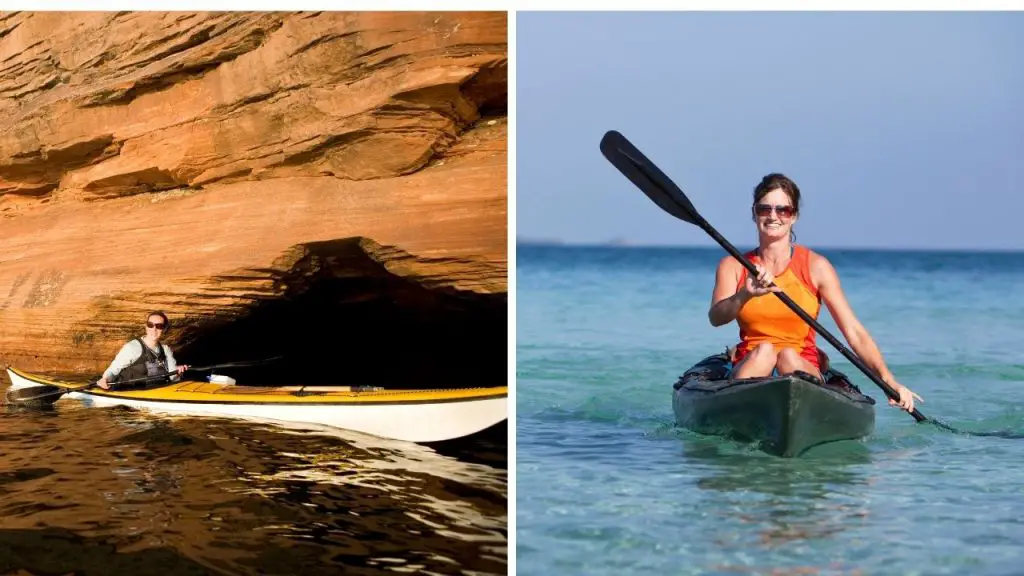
{"points": [[903, 130]]}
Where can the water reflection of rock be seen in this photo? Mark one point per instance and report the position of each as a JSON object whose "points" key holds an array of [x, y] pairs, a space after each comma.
{"points": [[69, 553], [212, 496], [786, 503]]}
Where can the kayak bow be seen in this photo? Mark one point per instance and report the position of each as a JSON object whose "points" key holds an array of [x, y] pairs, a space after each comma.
{"points": [[784, 415]]}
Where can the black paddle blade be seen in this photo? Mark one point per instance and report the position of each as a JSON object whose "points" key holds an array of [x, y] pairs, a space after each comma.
{"points": [[648, 177], [35, 396]]}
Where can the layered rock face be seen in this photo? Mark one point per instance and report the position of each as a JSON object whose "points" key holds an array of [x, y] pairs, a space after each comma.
{"points": [[330, 187]]}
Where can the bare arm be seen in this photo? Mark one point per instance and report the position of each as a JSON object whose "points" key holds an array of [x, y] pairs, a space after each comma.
{"points": [[726, 300], [856, 334]]}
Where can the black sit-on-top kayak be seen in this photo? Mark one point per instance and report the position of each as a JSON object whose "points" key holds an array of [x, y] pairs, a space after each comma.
{"points": [[785, 415]]}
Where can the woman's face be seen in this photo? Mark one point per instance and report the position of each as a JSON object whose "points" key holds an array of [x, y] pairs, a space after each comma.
{"points": [[155, 327], [774, 215]]}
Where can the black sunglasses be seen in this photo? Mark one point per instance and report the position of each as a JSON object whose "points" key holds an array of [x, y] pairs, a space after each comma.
{"points": [[159, 326]]}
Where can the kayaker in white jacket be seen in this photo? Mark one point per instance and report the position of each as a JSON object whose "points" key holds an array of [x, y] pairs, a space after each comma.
{"points": [[144, 356]]}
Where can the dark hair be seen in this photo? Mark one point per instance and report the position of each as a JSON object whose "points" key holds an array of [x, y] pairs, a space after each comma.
{"points": [[160, 313], [782, 182]]}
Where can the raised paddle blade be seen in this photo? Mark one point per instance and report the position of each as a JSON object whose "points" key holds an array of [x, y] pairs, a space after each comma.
{"points": [[661, 189], [648, 177]]}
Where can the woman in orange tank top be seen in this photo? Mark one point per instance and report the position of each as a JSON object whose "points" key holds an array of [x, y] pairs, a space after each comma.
{"points": [[773, 337]]}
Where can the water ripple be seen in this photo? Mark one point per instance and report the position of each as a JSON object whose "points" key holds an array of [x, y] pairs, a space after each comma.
{"points": [[105, 491], [607, 485]]}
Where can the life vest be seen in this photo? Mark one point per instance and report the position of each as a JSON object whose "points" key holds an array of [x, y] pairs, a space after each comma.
{"points": [[148, 363], [768, 319]]}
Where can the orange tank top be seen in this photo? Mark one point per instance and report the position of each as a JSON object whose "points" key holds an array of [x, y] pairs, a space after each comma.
{"points": [[768, 319]]}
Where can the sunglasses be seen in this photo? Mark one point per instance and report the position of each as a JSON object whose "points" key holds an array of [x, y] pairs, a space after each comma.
{"points": [[782, 210], [159, 326]]}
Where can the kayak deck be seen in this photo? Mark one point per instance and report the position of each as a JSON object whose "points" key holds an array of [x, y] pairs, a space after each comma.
{"points": [[784, 415], [200, 391]]}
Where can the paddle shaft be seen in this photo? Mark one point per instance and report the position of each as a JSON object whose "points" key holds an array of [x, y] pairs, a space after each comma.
{"points": [[233, 364]]}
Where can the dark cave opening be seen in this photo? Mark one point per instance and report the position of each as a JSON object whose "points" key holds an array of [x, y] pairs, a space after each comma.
{"points": [[344, 319], [488, 89]]}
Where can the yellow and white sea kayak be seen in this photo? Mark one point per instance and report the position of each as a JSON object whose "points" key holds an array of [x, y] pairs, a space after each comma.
{"points": [[410, 415]]}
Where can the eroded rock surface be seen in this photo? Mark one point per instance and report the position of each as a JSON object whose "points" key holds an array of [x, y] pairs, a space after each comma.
{"points": [[217, 164]]}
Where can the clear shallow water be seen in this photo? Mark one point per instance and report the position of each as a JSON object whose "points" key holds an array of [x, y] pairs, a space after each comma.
{"points": [[98, 491], [607, 485]]}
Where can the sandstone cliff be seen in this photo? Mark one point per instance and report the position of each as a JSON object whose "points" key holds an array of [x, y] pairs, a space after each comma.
{"points": [[329, 186]]}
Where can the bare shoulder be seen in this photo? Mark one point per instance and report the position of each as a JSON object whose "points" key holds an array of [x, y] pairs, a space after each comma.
{"points": [[727, 275], [822, 271], [729, 264], [729, 269]]}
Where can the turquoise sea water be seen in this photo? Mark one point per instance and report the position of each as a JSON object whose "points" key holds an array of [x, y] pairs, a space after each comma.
{"points": [[607, 485]]}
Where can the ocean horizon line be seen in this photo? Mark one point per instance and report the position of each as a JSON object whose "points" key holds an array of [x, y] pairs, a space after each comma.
{"points": [[628, 245]]}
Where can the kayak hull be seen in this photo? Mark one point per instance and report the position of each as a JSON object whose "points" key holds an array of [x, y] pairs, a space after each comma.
{"points": [[409, 415], [785, 416]]}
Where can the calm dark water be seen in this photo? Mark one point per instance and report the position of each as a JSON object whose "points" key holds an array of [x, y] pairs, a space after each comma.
{"points": [[95, 491], [606, 484]]}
